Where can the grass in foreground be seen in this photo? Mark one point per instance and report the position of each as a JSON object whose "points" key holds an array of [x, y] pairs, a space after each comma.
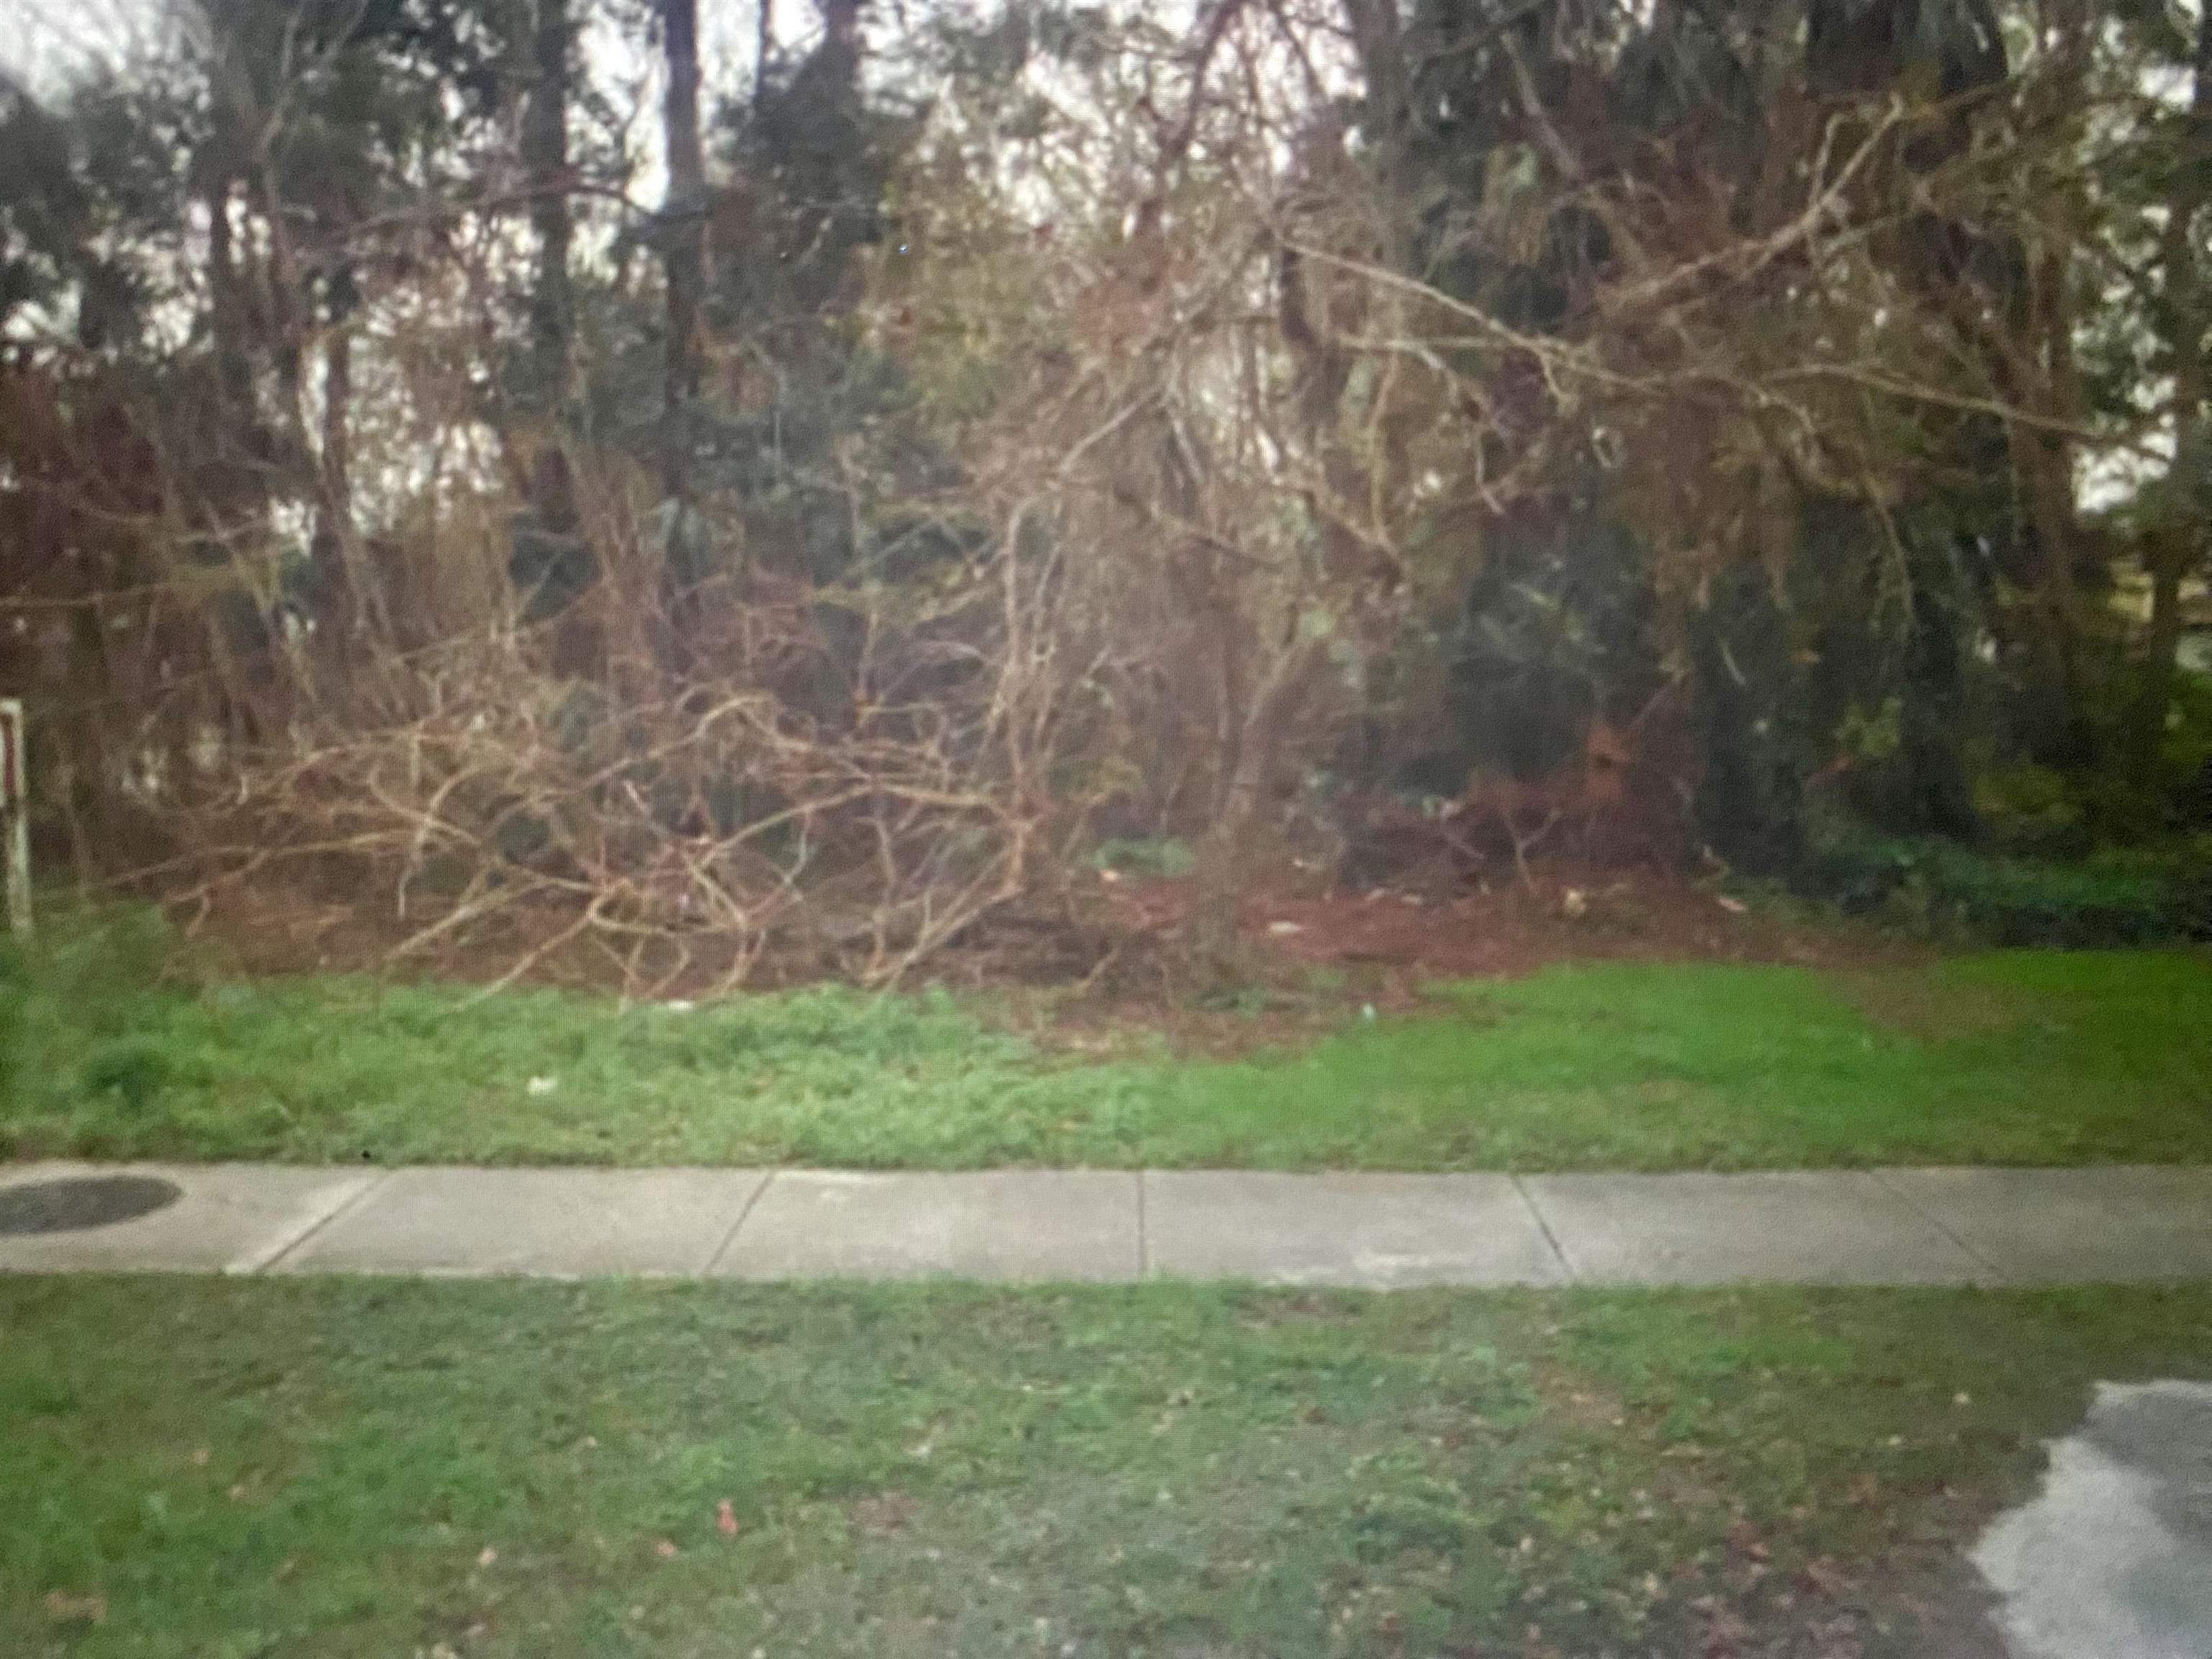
{"points": [[2005, 1058], [212, 1467]]}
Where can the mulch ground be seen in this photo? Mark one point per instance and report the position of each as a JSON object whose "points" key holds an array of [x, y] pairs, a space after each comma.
{"points": [[1308, 948], [1568, 912], [1114, 968]]}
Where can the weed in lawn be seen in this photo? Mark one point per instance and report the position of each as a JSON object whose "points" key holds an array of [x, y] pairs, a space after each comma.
{"points": [[340, 1468], [2018, 1057]]}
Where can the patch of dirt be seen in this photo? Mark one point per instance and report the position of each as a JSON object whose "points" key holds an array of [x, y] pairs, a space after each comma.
{"points": [[1931, 1008], [1580, 1402], [1950, 1608], [1917, 1600], [1109, 972], [1567, 913], [1921, 1601], [882, 1513], [1311, 953], [1905, 1591]]}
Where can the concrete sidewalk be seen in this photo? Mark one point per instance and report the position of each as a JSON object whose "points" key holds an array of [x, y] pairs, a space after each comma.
{"points": [[1813, 1227]]}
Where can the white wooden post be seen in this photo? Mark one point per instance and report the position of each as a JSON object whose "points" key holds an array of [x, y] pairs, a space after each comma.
{"points": [[15, 816]]}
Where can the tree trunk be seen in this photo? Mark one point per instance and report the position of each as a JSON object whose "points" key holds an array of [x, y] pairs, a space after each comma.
{"points": [[545, 160], [233, 369], [684, 217], [2050, 384], [2054, 453], [841, 26], [1378, 38], [242, 434], [338, 585], [2178, 542], [337, 438], [763, 49], [1238, 836]]}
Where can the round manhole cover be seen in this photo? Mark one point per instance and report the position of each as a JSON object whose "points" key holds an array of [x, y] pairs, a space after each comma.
{"points": [[61, 1206]]}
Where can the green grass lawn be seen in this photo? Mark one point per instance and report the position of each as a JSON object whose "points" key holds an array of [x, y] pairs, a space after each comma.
{"points": [[215, 1468], [2012, 1058]]}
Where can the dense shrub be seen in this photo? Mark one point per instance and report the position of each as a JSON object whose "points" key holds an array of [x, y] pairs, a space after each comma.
{"points": [[1946, 890], [1750, 707], [2031, 812]]}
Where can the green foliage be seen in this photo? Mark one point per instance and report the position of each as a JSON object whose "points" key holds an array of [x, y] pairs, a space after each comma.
{"points": [[1750, 717], [350, 1468], [2183, 865], [2031, 812], [808, 461], [43, 203], [1889, 614], [1148, 855], [1554, 635], [1872, 736], [1939, 888], [2037, 811], [2185, 756]]}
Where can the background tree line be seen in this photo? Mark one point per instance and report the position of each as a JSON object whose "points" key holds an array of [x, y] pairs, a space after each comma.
{"points": [[461, 456]]}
